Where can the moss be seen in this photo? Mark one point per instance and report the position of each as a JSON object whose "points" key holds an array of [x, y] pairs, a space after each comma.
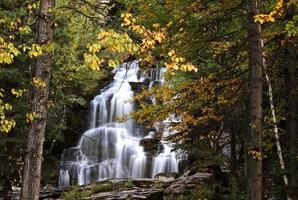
{"points": [[128, 185], [159, 184], [97, 188], [76, 194]]}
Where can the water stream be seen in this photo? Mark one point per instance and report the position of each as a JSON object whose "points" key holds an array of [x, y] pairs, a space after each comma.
{"points": [[111, 149]]}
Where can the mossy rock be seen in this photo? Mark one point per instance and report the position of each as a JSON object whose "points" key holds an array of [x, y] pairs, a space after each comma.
{"points": [[77, 192], [97, 188], [128, 185], [159, 184]]}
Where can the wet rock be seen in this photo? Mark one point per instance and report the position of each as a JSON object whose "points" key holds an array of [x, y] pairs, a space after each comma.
{"points": [[137, 87], [186, 185], [167, 177], [185, 174], [16, 192], [150, 144], [50, 192]]}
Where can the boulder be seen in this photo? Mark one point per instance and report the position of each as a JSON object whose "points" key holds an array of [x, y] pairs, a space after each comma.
{"points": [[150, 144], [137, 87], [167, 176], [50, 192], [186, 185]]}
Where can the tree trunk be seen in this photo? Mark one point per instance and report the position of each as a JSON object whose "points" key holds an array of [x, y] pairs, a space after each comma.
{"points": [[33, 159], [275, 130], [254, 145]]}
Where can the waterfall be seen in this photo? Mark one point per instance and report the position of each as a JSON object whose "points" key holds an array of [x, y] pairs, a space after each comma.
{"points": [[110, 148], [165, 162]]}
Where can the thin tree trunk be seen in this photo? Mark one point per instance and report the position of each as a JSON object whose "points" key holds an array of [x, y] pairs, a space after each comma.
{"points": [[276, 134], [254, 145], [33, 159]]}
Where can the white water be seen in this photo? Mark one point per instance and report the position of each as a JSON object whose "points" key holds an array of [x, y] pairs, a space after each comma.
{"points": [[110, 149], [165, 162]]}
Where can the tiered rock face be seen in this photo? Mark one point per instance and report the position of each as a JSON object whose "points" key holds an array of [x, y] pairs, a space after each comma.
{"points": [[113, 149]]}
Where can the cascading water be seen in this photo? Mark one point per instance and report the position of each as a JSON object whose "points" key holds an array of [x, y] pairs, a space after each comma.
{"points": [[111, 149]]}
